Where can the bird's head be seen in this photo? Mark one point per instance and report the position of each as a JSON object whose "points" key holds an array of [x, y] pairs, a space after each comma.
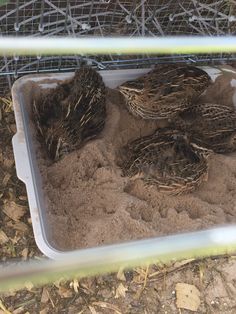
{"points": [[131, 90]]}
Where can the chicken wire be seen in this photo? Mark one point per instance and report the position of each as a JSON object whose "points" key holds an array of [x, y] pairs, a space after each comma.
{"points": [[110, 18]]}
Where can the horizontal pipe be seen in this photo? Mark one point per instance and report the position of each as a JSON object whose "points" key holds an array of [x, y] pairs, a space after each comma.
{"points": [[116, 45], [88, 262]]}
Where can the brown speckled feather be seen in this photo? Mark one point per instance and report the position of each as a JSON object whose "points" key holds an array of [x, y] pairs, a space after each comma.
{"points": [[71, 114], [166, 159], [164, 91], [210, 125]]}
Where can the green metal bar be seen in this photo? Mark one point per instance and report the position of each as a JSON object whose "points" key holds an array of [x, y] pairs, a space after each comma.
{"points": [[101, 260]]}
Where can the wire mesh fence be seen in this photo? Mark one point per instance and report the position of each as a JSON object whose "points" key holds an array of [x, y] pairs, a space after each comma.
{"points": [[110, 18]]}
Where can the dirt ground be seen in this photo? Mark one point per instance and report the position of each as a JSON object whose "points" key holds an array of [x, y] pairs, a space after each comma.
{"points": [[141, 290]]}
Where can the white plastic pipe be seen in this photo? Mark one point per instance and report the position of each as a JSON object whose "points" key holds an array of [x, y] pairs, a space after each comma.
{"points": [[119, 45], [87, 262]]}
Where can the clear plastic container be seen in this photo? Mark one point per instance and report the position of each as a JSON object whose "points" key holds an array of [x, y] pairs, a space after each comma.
{"points": [[25, 150]]}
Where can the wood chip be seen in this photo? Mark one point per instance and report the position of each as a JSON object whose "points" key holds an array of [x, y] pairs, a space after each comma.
{"points": [[29, 286], [19, 310], [16, 239], [44, 296], [8, 162], [107, 306], [58, 282], [6, 179], [3, 308], [3, 237], [24, 254], [9, 293], [23, 198], [184, 262], [120, 275], [13, 128], [187, 297], [120, 291], [18, 225], [64, 292], [92, 309], [13, 210], [75, 285]]}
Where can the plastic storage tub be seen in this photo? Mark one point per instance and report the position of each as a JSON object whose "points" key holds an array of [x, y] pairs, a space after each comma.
{"points": [[25, 150]]}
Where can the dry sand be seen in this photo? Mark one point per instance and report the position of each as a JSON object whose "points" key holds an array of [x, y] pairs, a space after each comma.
{"points": [[89, 203]]}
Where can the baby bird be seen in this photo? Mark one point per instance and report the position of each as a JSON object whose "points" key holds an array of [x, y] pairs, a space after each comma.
{"points": [[210, 125], [165, 91], [166, 159], [67, 120]]}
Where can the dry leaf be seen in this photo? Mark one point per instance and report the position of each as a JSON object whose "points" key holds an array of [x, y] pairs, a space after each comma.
{"points": [[120, 275], [19, 310], [44, 296], [187, 297], [141, 275], [58, 282], [86, 288], [3, 308], [8, 163], [120, 291], [3, 237], [201, 272], [24, 254], [107, 306], [11, 195], [92, 309], [9, 293], [75, 285], [7, 104], [13, 210], [15, 239], [6, 179], [18, 225], [51, 300], [44, 311], [13, 128], [65, 293], [28, 285], [184, 262], [23, 198]]}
